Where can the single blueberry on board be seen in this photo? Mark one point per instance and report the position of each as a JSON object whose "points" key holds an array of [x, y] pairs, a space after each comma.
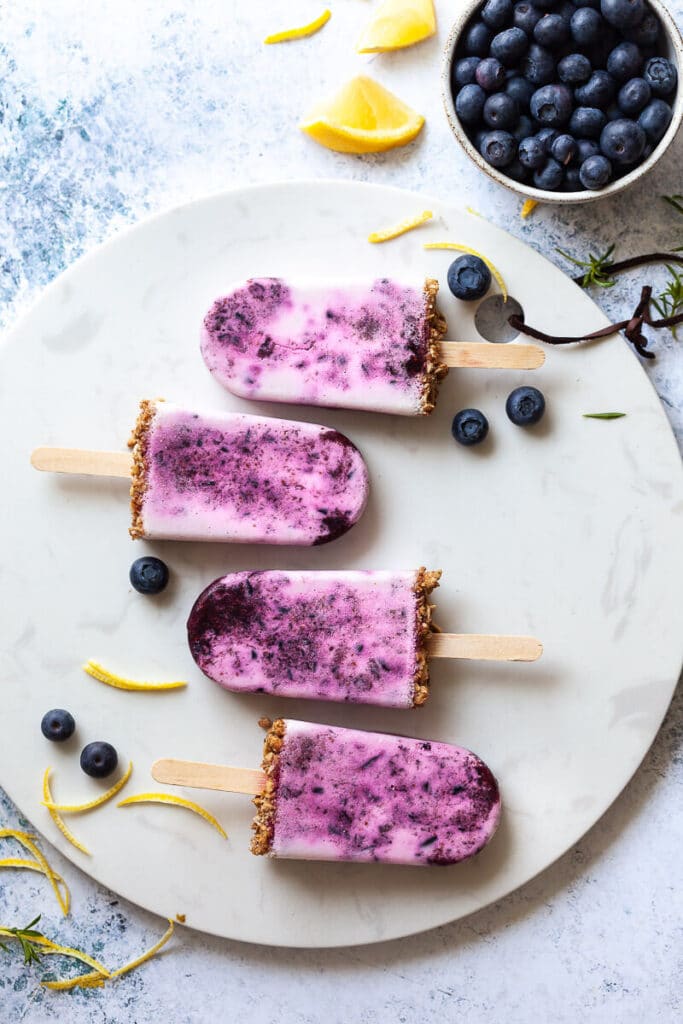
{"points": [[469, 427], [99, 759], [525, 406], [57, 725], [623, 141], [654, 120], [469, 278], [148, 575], [595, 172]]}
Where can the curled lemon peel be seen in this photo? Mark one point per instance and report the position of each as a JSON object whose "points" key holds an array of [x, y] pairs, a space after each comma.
{"points": [[48, 800], [472, 252], [177, 801], [528, 208], [28, 842], [96, 978], [97, 802], [50, 948], [301, 32], [401, 228], [97, 671]]}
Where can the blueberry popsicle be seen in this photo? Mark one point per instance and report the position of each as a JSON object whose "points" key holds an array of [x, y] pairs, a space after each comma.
{"points": [[374, 345], [363, 637], [333, 794], [230, 477]]}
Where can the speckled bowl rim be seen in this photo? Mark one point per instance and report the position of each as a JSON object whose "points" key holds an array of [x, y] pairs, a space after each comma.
{"points": [[675, 53]]}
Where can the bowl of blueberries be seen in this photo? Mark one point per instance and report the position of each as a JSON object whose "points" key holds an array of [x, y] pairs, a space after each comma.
{"points": [[564, 101]]}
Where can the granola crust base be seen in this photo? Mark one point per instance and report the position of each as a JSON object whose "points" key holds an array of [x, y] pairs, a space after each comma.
{"points": [[138, 442], [263, 825], [435, 370], [424, 584]]}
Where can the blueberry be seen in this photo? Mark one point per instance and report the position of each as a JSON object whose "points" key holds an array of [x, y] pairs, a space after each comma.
{"points": [[57, 725], [509, 46], [586, 26], [623, 141], [500, 111], [469, 427], [490, 74], [525, 406], [477, 40], [586, 147], [99, 759], [551, 105], [587, 3], [624, 62], [598, 91], [148, 575], [469, 278], [524, 128], [661, 75], [572, 180], [655, 120], [469, 104], [551, 31], [546, 136], [564, 149], [498, 148], [623, 14], [463, 71], [525, 16], [550, 176], [646, 32], [574, 69], [496, 13], [538, 66], [547, 5], [595, 172], [518, 172], [633, 96], [478, 138], [532, 153], [520, 90], [587, 122]]}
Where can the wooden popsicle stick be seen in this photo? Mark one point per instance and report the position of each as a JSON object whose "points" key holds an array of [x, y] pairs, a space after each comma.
{"points": [[485, 354], [79, 460], [197, 775], [480, 647]]}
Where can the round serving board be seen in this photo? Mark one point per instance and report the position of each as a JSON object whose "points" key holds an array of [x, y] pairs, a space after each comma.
{"points": [[569, 532]]}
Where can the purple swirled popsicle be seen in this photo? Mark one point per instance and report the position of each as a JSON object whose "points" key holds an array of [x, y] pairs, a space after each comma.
{"points": [[342, 794]]}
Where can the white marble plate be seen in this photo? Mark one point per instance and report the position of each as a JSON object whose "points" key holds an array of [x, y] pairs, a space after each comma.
{"points": [[570, 532]]}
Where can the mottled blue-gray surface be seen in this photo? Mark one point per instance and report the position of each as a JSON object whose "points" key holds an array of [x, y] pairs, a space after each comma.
{"points": [[111, 111]]}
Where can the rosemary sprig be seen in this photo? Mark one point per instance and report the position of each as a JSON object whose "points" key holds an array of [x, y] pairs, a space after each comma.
{"points": [[24, 936], [596, 268], [676, 201], [603, 415], [670, 301]]}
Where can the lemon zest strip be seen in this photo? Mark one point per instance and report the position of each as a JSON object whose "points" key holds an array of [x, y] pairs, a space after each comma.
{"points": [[35, 865], [178, 801], [56, 817], [97, 671], [95, 979], [472, 252], [299, 33], [400, 229], [528, 207], [28, 842], [51, 948], [97, 802]]}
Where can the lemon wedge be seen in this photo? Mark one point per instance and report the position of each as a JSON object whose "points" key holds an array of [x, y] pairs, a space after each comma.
{"points": [[177, 801], [301, 32], [398, 23], [400, 229], [472, 252], [97, 802], [97, 671], [363, 117]]}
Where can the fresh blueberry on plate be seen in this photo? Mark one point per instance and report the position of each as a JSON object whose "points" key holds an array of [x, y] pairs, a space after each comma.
{"points": [[99, 759], [469, 278], [469, 427], [148, 575], [57, 725], [525, 406]]}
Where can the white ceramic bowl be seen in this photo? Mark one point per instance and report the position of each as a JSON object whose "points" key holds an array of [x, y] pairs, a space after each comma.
{"points": [[673, 50]]}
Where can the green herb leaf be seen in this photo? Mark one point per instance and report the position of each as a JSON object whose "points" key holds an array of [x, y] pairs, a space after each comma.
{"points": [[596, 267], [676, 201], [603, 415]]}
